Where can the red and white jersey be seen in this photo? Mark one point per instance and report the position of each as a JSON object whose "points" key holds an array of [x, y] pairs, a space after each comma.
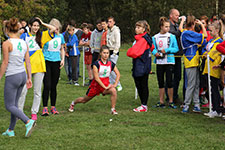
{"points": [[104, 71]]}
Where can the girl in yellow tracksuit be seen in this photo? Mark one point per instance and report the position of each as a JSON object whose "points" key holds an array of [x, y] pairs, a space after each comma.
{"points": [[214, 60]]}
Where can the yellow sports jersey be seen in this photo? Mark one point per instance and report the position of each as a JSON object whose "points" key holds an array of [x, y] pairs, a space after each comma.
{"points": [[37, 60], [214, 58]]}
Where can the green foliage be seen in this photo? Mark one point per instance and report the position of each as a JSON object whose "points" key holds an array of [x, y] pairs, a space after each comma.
{"points": [[126, 12]]}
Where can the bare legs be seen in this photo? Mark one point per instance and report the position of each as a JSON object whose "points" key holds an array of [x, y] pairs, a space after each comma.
{"points": [[162, 93], [111, 91]]}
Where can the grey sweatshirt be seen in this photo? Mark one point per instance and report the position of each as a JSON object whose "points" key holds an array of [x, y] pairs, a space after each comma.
{"points": [[95, 42]]}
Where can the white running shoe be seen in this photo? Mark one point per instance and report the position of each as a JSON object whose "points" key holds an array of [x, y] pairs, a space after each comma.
{"points": [[140, 109], [71, 109], [114, 112], [213, 114], [119, 87]]}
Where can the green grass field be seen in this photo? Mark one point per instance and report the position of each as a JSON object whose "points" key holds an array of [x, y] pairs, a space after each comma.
{"points": [[89, 127]]}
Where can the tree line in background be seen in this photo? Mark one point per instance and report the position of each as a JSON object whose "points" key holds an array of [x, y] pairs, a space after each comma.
{"points": [[125, 12]]}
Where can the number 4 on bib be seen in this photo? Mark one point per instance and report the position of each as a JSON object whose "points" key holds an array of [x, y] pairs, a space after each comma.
{"points": [[19, 47]]}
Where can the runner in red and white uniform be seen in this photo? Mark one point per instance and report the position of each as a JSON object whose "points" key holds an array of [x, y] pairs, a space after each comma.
{"points": [[101, 85]]}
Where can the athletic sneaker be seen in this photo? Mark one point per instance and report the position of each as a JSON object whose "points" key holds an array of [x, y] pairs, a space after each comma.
{"points": [[54, 111], [76, 83], [114, 112], [213, 114], [119, 87], [71, 109], [70, 82], [45, 111], [29, 127], [159, 105], [185, 109], [171, 105], [140, 109], [206, 105], [197, 109], [34, 116], [9, 133], [223, 117]]}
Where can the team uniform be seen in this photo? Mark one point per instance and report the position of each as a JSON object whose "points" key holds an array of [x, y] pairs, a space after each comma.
{"points": [[166, 63], [190, 42], [15, 79], [51, 51], [37, 60], [104, 71], [38, 67], [214, 60]]}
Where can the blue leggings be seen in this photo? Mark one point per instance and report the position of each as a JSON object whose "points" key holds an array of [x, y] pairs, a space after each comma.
{"points": [[12, 90]]}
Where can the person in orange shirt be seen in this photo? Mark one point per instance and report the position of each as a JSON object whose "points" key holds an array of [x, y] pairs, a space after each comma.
{"points": [[105, 28]]}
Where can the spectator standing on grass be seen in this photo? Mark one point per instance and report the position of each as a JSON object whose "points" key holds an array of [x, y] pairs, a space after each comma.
{"points": [[85, 41], [67, 64], [35, 40], [113, 40], [78, 33], [74, 52], [95, 42], [221, 48], [15, 51], [174, 29], [166, 46], [190, 41], [216, 33], [100, 83], [54, 59], [141, 53], [104, 34], [203, 83]]}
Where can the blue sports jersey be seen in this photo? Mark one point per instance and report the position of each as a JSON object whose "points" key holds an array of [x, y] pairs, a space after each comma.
{"points": [[190, 42]]}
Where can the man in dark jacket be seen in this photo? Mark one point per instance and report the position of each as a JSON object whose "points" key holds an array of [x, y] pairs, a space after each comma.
{"points": [[174, 29]]}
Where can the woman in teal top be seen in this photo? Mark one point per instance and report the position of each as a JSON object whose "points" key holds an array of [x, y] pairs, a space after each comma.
{"points": [[54, 58]]}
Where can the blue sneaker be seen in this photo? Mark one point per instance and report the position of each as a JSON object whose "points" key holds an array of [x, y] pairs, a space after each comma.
{"points": [[9, 133], [197, 109], [185, 109], [29, 127], [171, 105]]}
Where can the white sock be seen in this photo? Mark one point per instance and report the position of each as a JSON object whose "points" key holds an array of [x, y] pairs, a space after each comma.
{"points": [[112, 109], [72, 103]]}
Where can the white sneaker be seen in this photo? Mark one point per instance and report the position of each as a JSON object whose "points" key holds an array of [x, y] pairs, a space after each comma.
{"points": [[119, 88], [140, 109], [114, 112], [213, 114]]}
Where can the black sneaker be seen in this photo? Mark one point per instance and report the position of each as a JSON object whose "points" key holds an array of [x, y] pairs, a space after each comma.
{"points": [[159, 105], [171, 105], [70, 82]]}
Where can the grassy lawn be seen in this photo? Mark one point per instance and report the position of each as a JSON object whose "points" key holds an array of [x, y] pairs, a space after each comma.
{"points": [[89, 127]]}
